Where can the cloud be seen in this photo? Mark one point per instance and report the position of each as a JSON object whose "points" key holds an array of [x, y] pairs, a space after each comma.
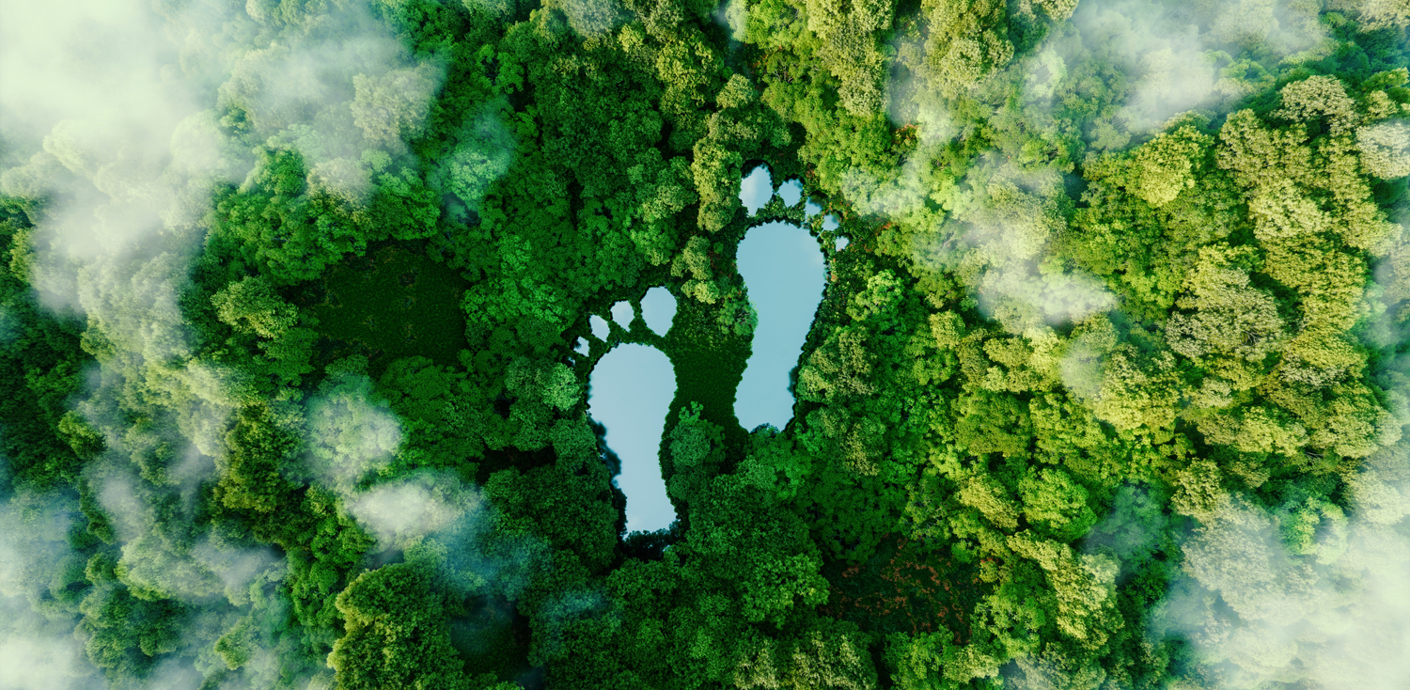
{"points": [[996, 236], [40, 654], [997, 245], [402, 513], [593, 17], [121, 119], [734, 15], [1021, 296], [237, 567], [90, 92], [900, 194], [1082, 365], [33, 541], [1135, 528], [484, 153], [910, 102], [1303, 591], [896, 195], [351, 434], [1171, 53], [436, 518], [37, 652], [168, 553], [101, 62], [115, 116], [1161, 53]]}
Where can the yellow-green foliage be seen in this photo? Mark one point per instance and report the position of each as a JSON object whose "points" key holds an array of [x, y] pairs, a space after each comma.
{"points": [[1108, 382]]}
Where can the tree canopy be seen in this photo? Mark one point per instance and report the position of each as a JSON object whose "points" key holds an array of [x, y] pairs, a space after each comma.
{"points": [[1108, 386]]}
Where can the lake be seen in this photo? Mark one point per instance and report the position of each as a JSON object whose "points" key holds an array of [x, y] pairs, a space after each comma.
{"points": [[784, 273], [632, 386]]}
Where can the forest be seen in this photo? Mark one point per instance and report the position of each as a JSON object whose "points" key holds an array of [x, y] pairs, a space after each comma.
{"points": [[1108, 390]]}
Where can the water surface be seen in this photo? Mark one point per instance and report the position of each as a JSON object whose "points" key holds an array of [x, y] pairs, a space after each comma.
{"points": [[756, 189], [632, 387], [783, 270], [658, 307]]}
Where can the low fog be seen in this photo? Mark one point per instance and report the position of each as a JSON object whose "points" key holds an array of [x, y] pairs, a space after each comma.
{"points": [[119, 113], [111, 112]]}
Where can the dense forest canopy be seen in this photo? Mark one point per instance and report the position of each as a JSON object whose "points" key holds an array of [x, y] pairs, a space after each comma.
{"points": [[1108, 388]]}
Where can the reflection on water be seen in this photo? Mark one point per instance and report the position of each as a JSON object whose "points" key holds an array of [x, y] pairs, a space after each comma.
{"points": [[599, 326], [658, 307], [622, 313], [632, 385], [756, 189], [790, 191]]}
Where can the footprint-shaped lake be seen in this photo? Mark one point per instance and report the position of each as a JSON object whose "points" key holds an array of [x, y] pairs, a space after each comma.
{"points": [[632, 385]]}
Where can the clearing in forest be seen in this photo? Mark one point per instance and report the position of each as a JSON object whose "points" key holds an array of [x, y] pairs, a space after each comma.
{"points": [[390, 303]]}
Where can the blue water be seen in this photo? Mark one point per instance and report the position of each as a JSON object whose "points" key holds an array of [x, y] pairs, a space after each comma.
{"points": [[790, 191], [632, 387], [658, 307], [599, 327], [783, 270], [756, 189], [622, 313]]}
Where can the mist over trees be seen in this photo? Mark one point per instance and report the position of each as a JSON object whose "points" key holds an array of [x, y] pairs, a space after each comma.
{"points": [[1108, 388]]}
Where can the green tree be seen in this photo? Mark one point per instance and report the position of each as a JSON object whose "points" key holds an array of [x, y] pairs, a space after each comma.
{"points": [[1056, 504], [397, 633], [251, 306], [392, 107]]}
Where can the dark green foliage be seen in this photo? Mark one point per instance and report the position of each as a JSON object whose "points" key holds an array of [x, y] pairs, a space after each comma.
{"points": [[124, 634], [40, 369], [1113, 363], [250, 478], [565, 512], [397, 632], [905, 587], [387, 305], [709, 361]]}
